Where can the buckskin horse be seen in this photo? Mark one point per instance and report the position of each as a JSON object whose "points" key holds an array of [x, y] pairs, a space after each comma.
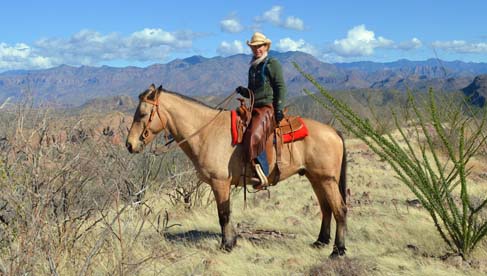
{"points": [[204, 135]]}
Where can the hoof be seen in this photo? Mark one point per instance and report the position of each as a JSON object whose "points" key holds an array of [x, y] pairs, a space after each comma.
{"points": [[337, 252], [319, 244], [228, 245]]}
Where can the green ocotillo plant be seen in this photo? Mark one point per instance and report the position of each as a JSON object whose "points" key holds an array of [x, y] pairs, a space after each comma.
{"points": [[435, 168]]}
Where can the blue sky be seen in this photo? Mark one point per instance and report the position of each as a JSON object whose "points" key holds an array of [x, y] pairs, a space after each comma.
{"points": [[43, 34]]}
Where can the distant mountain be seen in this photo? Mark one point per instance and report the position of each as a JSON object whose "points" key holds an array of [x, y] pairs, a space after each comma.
{"points": [[199, 76], [430, 67], [477, 90]]}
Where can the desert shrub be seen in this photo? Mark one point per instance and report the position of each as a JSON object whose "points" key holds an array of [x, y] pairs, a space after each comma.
{"points": [[345, 267], [181, 184], [435, 169], [45, 190], [61, 199], [67, 192]]}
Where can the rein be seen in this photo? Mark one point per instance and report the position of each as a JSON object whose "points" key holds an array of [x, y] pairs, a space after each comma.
{"points": [[166, 145], [155, 105]]}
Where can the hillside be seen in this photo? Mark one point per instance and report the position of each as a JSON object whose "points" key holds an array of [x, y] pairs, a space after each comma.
{"points": [[199, 76], [477, 90], [77, 202], [175, 230]]}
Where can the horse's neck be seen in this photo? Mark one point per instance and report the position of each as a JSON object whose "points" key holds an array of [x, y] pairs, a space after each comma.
{"points": [[186, 118]]}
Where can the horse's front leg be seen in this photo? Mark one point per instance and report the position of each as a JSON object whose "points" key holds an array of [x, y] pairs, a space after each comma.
{"points": [[221, 190]]}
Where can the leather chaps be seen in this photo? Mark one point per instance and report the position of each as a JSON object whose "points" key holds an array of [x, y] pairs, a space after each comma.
{"points": [[260, 128]]}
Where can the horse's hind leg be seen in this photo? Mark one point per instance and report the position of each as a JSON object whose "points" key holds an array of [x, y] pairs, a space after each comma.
{"points": [[331, 201], [324, 236], [221, 190]]}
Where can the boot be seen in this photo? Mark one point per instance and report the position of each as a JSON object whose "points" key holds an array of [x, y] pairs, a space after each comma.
{"points": [[262, 178]]}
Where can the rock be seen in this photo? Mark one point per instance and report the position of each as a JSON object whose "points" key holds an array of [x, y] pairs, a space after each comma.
{"points": [[413, 247], [454, 260], [413, 203], [119, 102]]}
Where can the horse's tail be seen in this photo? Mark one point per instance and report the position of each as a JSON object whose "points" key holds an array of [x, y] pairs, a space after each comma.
{"points": [[342, 184]]}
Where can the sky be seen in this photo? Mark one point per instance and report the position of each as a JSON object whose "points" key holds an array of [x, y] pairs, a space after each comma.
{"points": [[44, 34]]}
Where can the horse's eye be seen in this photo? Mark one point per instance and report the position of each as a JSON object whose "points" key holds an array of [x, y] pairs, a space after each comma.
{"points": [[139, 117]]}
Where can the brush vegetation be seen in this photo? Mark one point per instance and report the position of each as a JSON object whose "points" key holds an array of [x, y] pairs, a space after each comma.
{"points": [[74, 202], [435, 167]]}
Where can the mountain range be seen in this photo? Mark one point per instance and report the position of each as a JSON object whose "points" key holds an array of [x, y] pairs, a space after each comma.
{"points": [[199, 76]]}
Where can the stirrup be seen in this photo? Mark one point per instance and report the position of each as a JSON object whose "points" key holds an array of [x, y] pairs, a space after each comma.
{"points": [[263, 178]]}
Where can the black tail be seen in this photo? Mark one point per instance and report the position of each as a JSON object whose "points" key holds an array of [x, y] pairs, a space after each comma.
{"points": [[343, 172]]}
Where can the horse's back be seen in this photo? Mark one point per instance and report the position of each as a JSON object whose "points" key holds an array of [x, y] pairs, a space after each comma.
{"points": [[317, 129], [323, 148]]}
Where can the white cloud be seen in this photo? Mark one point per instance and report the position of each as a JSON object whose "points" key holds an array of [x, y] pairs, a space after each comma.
{"points": [[461, 46], [288, 44], [89, 47], [231, 25], [150, 37], [409, 45], [273, 16], [231, 48], [294, 23], [21, 56], [360, 42], [331, 58], [20, 50]]}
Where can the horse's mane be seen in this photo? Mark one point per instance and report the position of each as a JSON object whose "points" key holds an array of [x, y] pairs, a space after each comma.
{"points": [[147, 92]]}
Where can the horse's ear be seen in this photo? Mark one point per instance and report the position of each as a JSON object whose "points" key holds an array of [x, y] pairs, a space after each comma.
{"points": [[152, 87], [159, 88]]}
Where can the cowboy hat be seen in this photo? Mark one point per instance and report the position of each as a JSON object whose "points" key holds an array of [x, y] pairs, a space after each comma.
{"points": [[259, 39]]}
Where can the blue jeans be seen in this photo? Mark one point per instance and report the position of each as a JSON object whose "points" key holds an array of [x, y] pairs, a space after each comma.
{"points": [[262, 160]]}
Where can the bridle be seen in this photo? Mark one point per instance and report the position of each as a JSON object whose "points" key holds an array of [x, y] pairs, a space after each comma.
{"points": [[155, 109]]}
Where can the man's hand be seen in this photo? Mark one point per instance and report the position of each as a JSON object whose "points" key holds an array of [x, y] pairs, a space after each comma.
{"points": [[279, 116], [244, 91]]}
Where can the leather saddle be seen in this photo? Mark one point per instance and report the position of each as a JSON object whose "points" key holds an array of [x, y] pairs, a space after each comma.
{"points": [[287, 126], [290, 129]]}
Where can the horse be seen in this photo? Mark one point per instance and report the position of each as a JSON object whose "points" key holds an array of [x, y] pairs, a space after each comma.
{"points": [[203, 133]]}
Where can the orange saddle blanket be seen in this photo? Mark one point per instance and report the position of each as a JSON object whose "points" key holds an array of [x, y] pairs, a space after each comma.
{"points": [[292, 129]]}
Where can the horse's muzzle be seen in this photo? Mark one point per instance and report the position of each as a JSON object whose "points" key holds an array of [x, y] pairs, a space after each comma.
{"points": [[129, 146], [132, 148]]}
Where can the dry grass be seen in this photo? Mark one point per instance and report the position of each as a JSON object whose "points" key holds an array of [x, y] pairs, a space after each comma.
{"points": [[161, 235]]}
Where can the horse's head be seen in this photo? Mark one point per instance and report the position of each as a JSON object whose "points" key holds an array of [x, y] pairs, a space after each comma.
{"points": [[148, 121]]}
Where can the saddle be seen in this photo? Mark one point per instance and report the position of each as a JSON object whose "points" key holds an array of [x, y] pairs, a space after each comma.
{"points": [[290, 129]]}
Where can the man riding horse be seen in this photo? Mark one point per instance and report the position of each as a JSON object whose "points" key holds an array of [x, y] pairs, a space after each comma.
{"points": [[266, 82], [321, 156]]}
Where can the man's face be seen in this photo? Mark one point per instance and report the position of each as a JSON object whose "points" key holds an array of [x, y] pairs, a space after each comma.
{"points": [[259, 50]]}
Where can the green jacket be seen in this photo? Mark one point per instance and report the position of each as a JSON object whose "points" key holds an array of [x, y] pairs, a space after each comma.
{"points": [[268, 86]]}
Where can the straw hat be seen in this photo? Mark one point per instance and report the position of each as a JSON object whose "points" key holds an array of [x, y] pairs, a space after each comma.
{"points": [[259, 39]]}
